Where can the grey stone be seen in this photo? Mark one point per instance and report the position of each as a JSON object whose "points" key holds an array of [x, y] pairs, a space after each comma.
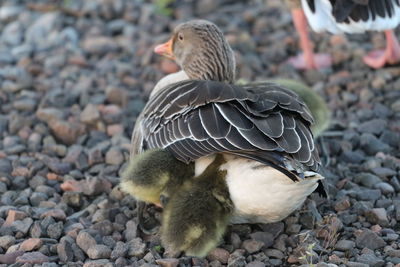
{"points": [[85, 241], [377, 216], [55, 230], [119, 250], [274, 253], [64, 251], [99, 252], [370, 240], [114, 156], [367, 179], [266, 238], [136, 247], [252, 246], [6, 241], [344, 245], [371, 260]]}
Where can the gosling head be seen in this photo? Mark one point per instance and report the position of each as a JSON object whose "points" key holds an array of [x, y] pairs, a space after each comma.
{"points": [[201, 50]]}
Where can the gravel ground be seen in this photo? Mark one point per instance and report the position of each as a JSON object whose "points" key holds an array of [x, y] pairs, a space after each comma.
{"points": [[73, 78]]}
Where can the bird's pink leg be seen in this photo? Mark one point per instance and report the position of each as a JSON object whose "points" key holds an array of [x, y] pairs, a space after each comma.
{"points": [[307, 60], [391, 55]]}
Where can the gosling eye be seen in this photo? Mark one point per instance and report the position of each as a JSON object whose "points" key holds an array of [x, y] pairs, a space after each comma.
{"points": [[180, 36]]}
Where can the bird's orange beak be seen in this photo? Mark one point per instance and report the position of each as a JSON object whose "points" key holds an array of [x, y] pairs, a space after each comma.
{"points": [[165, 49]]}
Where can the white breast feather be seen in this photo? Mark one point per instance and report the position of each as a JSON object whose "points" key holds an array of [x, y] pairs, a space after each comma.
{"points": [[260, 193]]}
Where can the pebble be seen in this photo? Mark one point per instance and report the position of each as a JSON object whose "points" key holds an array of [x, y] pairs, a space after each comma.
{"points": [[218, 254], [345, 245], [64, 251], [377, 216], [33, 258], [31, 244], [371, 260], [6, 241], [266, 238], [136, 247], [85, 241], [90, 115], [66, 132], [14, 215], [168, 262], [252, 246], [370, 240], [114, 156], [99, 252], [119, 250]]}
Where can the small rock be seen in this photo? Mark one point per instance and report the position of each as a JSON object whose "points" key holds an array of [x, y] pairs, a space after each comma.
{"points": [[136, 248], [342, 205], [90, 115], [33, 258], [85, 241], [59, 167], [252, 246], [66, 132], [131, 230], [49, 114], [218, 254], [377, 216], [344, 245], [14, 215], [99, 252], [55, 230], [64, 251], [119, 250], [55, 213], [31, 244], [255, 264], [169, 262], [97, 263], [114, 156], [370, 240], [73, 199], [385, 188], [11, 257], [6, 241], [266, 238], [369, 194], [367, 179], [22, 226], [371, 260], [99, 44], [374, 126]]}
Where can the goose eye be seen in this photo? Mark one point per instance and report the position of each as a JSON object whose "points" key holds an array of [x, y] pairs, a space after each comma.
{"points": [[180, 36]]}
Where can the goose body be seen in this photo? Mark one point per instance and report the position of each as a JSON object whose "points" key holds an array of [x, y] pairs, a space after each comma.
{"points": [[352, 16], [261, 131], [347, 16], [270, 172]]}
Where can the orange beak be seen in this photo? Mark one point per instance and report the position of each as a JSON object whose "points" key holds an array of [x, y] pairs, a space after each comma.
{"points": [[165, 50]]}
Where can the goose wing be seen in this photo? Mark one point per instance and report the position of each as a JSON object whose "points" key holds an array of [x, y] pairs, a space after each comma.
{"points": [[262, 121]]}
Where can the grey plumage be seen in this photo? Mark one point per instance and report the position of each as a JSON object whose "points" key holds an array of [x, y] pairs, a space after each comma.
{"points": [[198, 118]]}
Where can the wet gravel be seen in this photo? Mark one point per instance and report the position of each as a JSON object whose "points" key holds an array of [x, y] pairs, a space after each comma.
{"points": [[75, 75]]}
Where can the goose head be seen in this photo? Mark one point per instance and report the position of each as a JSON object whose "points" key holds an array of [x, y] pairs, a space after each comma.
{"points": [[201, 50]]}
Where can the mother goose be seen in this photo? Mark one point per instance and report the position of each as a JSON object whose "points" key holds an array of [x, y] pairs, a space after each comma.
{"points": [[346, 16], [262, 131]]}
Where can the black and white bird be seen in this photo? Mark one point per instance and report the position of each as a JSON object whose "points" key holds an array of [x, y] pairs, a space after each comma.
{"points": [[346, 16], [262, 131]]}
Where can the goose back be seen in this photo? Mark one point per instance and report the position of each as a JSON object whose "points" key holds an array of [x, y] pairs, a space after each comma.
{"points": [[196, 118]]}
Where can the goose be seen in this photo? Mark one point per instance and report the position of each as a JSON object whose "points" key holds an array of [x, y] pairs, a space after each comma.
{"points": [[261, 130], [346, 16]]}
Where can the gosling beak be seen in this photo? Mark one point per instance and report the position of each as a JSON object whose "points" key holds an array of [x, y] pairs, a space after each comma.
{"points": [[165, 50]]}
